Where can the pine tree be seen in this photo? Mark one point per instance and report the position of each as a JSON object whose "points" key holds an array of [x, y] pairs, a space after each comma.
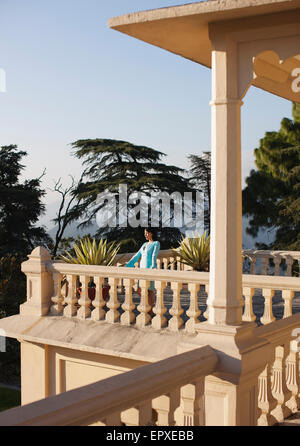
{"points": [[201, 179], [109, 163], [272, 195]]}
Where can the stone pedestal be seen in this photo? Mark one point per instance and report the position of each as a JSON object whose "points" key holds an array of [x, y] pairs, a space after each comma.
{"points": [[39, 283]]}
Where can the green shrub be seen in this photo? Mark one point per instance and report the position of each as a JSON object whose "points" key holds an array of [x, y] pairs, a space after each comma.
{"points": [[9, 398], [88, 252], [194, 252]]}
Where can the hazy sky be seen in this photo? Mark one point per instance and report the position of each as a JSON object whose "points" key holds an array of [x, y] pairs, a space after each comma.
{"points": [[71, 77]]}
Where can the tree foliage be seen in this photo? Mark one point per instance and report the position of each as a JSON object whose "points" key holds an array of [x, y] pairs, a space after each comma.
{"points": [[110, 163], [272, 195], [201, 179], [20, 206], [12, 285]]}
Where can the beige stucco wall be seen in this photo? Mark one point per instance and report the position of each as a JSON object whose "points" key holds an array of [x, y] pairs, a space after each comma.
{"points": [[49, 370]]}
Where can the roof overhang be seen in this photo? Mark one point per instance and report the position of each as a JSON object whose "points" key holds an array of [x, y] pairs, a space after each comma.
{"points": [[184, 30]]}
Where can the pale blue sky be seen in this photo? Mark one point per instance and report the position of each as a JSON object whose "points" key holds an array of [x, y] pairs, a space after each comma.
{"points": [[71, 77]]}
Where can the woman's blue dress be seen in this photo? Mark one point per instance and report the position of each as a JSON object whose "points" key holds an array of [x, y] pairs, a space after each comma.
{"points": [[148, 255]]}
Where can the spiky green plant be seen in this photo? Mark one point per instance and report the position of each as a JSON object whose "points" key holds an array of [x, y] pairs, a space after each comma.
{"points": [[194, 252], [88, 252]]}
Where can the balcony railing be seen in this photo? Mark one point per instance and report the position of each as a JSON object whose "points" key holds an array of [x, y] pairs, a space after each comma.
{"points": [[109, 294], [272, 262], [152, 392], [254, 262], [172, 392], [279, 383]]}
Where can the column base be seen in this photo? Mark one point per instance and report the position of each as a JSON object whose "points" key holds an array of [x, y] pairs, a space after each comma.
{"points": [[29, 309], [231, 393]]}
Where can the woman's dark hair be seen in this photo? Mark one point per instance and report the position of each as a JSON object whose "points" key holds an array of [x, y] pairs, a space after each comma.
{"points": [[152, 231]]}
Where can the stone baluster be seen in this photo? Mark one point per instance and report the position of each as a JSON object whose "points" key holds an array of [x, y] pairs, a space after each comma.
{"points": [[252, 265], [84, 311], [113, 420], [268, 316], [193, 312], [172, 263], [120, 286], [145, 413], [57, 299], [289, 266], [279, 388], [159, 321], [243, 260], [70, 300], [277, 261], [288, 296], [292, 377], [165, 407], [113, 315], [266, 401], [179, 264], [98, 314], [206, 312], [64, 290], [264, 266], [192, 404], [158, 262], [128, 317], [165, 263], [248, 315], [176, 311], [144, 317]]}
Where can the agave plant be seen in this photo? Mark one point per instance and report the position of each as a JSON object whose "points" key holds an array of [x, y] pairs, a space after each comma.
{"points": [[194, 252], [89, 253]]}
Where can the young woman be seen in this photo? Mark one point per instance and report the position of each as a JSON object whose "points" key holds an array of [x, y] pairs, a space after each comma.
{"points": [[148, 255]]}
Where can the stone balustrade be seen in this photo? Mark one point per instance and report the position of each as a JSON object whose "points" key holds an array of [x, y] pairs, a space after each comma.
{"points": [[165, 393], [179, 290], [268, 298], [279, 383], [255, 262], [282, 262], [264, 343], [110, 294], [166, 260]]}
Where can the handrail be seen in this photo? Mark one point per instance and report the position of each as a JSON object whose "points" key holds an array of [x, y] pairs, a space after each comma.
{"points": [[168, 259], [271, 282], [95, 402], [249, 280], [267, 253], [257, 252], [251, 252], [275, 332], [129, 273]]}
